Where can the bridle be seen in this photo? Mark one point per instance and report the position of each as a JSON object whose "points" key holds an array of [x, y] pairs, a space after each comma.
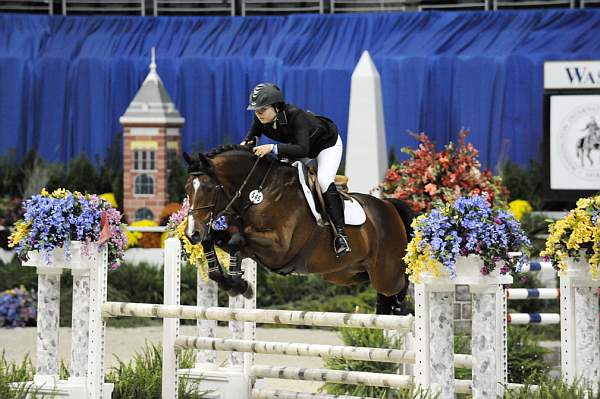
{"points": [[228, 209]]}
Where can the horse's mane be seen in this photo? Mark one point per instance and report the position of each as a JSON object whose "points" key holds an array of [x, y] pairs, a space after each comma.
{"points": [[227, 147]]}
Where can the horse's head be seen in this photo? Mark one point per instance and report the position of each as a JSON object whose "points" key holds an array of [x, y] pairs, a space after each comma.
{"points": [[204, 193], [213, 180]]}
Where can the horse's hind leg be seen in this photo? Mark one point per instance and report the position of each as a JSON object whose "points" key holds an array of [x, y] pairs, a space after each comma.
{"points": [[394, 304], [400, 307], [384, 304]]}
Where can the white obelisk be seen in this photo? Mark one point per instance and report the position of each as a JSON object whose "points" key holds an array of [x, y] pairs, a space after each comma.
{"points": [[366, 151]]}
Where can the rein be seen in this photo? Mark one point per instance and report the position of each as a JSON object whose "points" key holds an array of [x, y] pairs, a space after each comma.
{"points": [[232, 199]]}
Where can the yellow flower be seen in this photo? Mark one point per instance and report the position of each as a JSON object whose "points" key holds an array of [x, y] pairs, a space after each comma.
{"points": [[520, 208], [418, 262], [134, 237], [44, 192], [21, 230], [196, 254], [110, 198], [575, 232], [60, 193]]}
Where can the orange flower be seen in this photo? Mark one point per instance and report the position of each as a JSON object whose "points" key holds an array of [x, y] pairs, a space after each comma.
{"points": [[431, 189]]}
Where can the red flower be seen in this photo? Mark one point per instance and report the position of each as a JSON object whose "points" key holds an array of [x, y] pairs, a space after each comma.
{"points": [[445, 175]]}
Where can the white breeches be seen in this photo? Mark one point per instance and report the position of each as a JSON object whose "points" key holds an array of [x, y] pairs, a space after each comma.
{"points": [[328, 162]]}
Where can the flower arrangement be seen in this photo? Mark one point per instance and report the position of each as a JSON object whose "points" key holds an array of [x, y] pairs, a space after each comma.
{"points": [[53, 220], [429, 178], [469, 226], [576, 234], [520, 208], [147, 239], [194, 252], [17, 308]]}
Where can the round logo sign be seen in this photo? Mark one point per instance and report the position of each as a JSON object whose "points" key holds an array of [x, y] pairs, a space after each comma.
{"points": [[579, 141]]}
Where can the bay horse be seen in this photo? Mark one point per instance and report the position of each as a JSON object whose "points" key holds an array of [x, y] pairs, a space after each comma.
{"points": [[279, 231]]}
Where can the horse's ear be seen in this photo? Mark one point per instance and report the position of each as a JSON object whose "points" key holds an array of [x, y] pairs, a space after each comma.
{"points": [[204, 161], [187, 158]]}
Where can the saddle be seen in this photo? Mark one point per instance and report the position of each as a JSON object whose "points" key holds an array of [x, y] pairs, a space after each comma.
{"points": [[353, 212]]}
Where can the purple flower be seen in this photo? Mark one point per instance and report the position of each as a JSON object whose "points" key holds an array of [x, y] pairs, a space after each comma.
{"points": [[472, 226], [54, 222], [484, 270]]}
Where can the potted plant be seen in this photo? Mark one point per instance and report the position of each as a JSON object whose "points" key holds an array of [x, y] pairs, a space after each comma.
{"points": [[469, 233], [61, 225], [430, 178], [573, 242]]}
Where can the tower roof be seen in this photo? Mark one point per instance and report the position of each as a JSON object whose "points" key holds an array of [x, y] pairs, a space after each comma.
{"points": [[152, 104]]}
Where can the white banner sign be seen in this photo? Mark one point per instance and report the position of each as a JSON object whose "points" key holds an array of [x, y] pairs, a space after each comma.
{"points": [[575, 142], [571, 74]]}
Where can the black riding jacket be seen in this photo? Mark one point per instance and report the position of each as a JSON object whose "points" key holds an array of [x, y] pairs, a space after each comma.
{"points": [[302, 134]]}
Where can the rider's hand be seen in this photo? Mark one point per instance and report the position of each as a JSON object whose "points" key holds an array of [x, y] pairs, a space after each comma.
{"points": [[263, 150]]}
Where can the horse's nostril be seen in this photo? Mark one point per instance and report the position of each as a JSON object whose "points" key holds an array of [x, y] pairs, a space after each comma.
{"points": [[195, 237]]}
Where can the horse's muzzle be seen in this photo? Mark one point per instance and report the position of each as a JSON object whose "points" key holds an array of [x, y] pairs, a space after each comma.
{"points": [[196, 237]]}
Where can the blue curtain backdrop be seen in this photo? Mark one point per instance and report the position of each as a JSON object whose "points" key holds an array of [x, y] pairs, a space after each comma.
{"points": [[64, 81]]}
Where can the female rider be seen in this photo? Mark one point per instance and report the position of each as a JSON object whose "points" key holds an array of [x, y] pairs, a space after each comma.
{"points": [[300, 135]]}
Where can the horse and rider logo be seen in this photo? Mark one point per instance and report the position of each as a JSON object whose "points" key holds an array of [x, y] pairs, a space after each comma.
{"points": [[579, 141]]}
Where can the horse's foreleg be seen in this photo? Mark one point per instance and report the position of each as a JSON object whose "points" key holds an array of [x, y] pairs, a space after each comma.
{"points": [[239, 285], [215, 272], [589, 157]]}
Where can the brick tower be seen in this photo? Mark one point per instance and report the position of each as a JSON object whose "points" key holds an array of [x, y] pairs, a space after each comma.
{"points": [[151, 137]]}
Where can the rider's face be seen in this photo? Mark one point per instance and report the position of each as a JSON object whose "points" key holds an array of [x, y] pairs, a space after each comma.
{"points": [[266, 114]]}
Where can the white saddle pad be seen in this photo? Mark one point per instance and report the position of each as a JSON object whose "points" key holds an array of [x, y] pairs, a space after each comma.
{"points": [[354, 214]]}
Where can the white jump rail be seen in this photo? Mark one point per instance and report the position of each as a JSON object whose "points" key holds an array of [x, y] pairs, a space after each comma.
{"points": [[433, 358]]}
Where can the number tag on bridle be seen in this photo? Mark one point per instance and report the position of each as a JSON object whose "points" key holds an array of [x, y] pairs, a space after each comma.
{"points": [[255, 197]]}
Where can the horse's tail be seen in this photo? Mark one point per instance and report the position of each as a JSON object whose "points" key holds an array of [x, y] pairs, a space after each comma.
{"points": [[406, 214], [580, 147]]}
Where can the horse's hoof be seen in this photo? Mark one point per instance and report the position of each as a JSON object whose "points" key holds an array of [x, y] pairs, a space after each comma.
{"points": [[249, 293]]}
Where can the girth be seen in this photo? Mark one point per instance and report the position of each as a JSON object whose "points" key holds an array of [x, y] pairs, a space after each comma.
{"points": [[298, 264]]}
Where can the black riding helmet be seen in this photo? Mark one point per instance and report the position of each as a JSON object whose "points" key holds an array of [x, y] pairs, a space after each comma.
{"points": [[264, 94]]}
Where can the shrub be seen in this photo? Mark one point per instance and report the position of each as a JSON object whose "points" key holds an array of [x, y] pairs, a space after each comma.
{"points": [[17, 308], [554, 388], [141, 377], [525, 356]]}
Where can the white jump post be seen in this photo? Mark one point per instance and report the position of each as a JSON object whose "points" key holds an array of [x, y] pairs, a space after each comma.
{"points": [[434, 331], [220, 382], [81, 263], [434, 336], [579, 325], [172, 296]]}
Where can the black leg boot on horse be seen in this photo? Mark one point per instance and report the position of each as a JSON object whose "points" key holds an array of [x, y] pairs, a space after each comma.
{"points": [[232, 286], [334, 205], [239, 285]]}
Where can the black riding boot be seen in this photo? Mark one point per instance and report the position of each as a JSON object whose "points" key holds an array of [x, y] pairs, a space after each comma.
{"points": [[334, 205]]}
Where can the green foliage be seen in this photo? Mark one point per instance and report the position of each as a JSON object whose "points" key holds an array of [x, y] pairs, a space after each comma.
{"points": [[11, 176], [525, 356], [554, 389], [536, 228], [524, 183], [141, 377], [372, 338], [176, 181], [311, 293], [12, 372]]}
